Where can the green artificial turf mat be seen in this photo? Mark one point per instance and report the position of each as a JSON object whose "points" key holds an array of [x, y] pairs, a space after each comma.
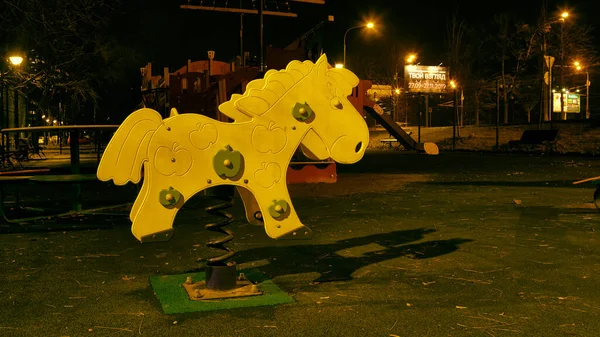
{"points": [[174, 299]]}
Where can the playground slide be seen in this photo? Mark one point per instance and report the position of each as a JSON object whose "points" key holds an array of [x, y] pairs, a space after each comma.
{"points": [[395, 130]]}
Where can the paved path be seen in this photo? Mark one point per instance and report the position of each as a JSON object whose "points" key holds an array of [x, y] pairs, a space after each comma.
{"points": [[405, 245]]}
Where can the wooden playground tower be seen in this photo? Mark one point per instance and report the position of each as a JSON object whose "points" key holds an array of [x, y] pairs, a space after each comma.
{"points": [[201, 86]]}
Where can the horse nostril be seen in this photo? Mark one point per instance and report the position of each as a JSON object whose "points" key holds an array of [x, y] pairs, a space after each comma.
{"points": [[358, 147]]}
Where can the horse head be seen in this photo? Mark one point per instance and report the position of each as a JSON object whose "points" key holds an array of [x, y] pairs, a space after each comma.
{"points": [[338, 131], [316, 96]]}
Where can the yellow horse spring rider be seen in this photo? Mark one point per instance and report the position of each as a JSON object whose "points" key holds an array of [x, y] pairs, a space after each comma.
{"points": [[304, 105]]}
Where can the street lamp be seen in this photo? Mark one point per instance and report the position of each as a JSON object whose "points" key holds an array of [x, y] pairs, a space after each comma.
{"points": [[339, 65], [409, 60], [454, 85], [16, 60], [587, 89], [548, 61], [368, 25], [563, 16]]}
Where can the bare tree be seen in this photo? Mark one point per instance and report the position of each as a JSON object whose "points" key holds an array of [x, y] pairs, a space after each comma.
{"points": [[71, 52], [504, 43], [458, 56], [529, 98], [385, 67]]}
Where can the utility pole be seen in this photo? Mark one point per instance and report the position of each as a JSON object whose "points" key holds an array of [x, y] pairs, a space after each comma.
{"points": [[587, 94], [497, 115], [262, 46], [454, 121], [242, 58], [462, 106], [563, 115], [543, 102]]}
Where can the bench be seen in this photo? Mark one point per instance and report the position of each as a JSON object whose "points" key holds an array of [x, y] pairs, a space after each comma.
{"points": [[392, 140], [531, 139]]}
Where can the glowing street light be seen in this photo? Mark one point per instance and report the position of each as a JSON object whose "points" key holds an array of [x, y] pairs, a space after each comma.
{"points": [[368, 25], [587, 88], [339, 65], [453, 84], [564, 15], [397, 91], [411, 58], [16, 60]]}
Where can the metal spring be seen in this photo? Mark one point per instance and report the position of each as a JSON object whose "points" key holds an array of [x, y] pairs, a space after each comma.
{"points": [[218, 227]]}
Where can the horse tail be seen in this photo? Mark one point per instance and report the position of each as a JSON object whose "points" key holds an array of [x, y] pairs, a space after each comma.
{"points": [[128, 148]]}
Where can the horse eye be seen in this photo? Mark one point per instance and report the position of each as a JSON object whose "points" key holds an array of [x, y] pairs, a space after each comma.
{"points": [[336, 103]]}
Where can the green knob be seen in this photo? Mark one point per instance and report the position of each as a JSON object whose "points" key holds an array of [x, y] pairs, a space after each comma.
{"points": [[227, 162], [278, 208], [169, 197], [302, 112]]}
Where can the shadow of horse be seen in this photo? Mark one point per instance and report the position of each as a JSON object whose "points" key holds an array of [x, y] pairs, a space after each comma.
{"points": [[333, 264]]}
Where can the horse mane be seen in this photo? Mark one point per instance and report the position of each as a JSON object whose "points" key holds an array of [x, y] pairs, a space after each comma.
{"points": [[262, 94]]}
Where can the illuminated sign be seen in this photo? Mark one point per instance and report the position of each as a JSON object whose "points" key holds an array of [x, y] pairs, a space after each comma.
{"points": [[571, 103], [426, 79]]}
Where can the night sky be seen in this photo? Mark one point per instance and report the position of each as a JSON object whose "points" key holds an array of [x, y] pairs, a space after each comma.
{"points": [[176, 34]]}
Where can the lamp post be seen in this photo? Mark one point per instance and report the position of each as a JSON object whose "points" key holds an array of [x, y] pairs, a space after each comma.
{"points": [[587, 89], [548, 61], [409, 60], [16, 61], [396, 97], [369, 25], [562, 19], [453, 85]]}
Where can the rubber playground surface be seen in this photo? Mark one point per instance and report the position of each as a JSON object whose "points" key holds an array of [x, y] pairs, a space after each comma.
{"points": [[404, 245]]}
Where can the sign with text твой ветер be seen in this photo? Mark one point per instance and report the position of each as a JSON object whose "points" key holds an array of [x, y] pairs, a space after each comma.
{"points": [[426, 79]]}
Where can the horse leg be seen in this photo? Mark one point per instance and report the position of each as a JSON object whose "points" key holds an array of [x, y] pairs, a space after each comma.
{"points": [[253, 211], [153, 221], [282, 224], [139, 199]]}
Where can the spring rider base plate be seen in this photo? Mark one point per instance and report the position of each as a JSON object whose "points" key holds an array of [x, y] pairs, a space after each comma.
{"points": [[198, 291], [174, 298]]}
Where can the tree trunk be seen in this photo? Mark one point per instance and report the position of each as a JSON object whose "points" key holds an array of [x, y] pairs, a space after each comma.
{"points": [[477, 107], [528, 116], [504, 94]]}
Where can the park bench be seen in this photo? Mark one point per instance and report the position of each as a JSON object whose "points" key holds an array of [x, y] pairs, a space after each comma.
{"points": [[531, 139], [390, 141], [31, 150]]}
